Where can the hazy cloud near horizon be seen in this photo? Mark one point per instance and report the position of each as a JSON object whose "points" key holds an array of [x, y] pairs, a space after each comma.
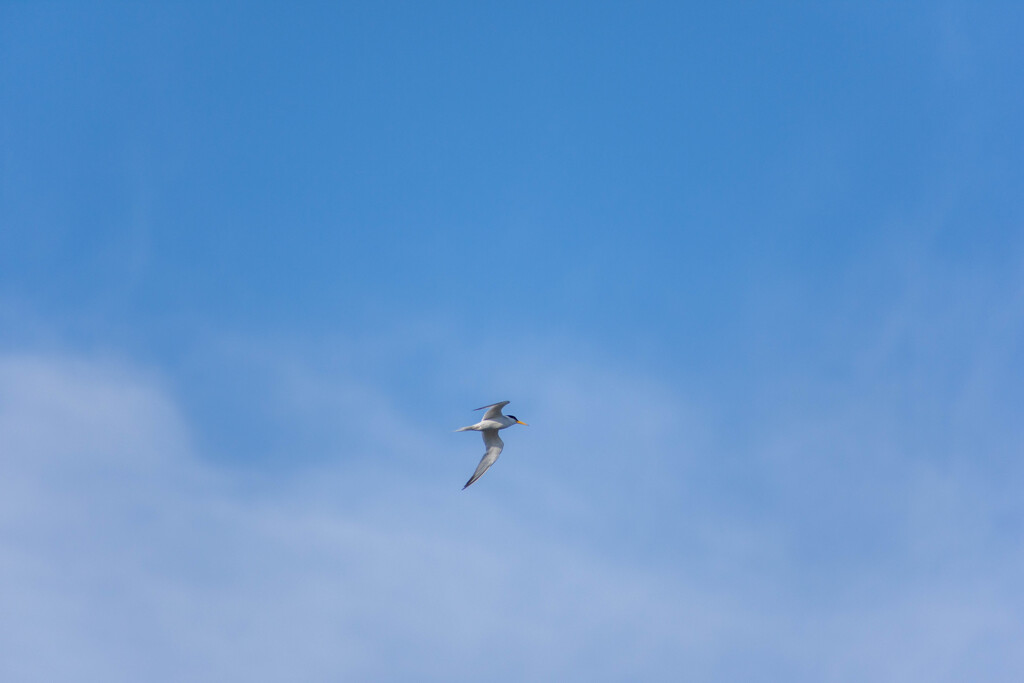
{"points": [[127, 553]]}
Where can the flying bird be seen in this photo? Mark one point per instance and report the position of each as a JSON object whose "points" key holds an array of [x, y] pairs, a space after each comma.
{"points": [[492, 421]]}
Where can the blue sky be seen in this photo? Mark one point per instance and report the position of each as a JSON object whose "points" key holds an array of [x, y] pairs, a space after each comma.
{"points": [[754, 276]]}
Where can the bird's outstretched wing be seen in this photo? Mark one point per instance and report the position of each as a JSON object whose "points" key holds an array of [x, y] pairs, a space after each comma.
{"points": [[494, 445], [493, 410]]}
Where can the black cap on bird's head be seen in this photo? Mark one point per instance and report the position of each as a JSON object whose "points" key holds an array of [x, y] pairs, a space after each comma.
{"points": [[517, 420]]}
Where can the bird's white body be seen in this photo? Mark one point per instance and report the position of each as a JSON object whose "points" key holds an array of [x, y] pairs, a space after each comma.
{"points": [[493, 422], [500, 422]]}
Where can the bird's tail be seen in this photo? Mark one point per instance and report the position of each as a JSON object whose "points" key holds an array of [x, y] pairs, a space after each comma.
{"points": [[465, 429]]}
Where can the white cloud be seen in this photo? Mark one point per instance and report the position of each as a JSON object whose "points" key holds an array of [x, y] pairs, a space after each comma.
{"points": [[125, 555]]}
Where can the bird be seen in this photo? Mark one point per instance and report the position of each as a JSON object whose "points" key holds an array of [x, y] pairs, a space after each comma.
{"points": [[489, 425]]}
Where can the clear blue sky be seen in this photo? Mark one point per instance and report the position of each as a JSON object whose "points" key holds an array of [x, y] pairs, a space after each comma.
{"points": [[753, 274]]}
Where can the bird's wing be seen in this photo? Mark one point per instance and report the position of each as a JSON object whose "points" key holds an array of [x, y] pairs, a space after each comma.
{"points": [[493, 410], [494, 445]]}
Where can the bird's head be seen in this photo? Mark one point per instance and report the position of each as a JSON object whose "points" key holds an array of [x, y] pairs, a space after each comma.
{"points": [[513, 417]]}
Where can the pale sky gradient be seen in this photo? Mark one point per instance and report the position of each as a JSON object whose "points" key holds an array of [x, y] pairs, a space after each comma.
{"points": [[754, 276]]}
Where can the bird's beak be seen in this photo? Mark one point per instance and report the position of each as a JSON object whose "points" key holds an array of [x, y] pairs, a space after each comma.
{"points": [[522, 423]]}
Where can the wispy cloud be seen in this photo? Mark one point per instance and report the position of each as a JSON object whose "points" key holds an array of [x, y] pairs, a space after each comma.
{"points": [[127, 553]]}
